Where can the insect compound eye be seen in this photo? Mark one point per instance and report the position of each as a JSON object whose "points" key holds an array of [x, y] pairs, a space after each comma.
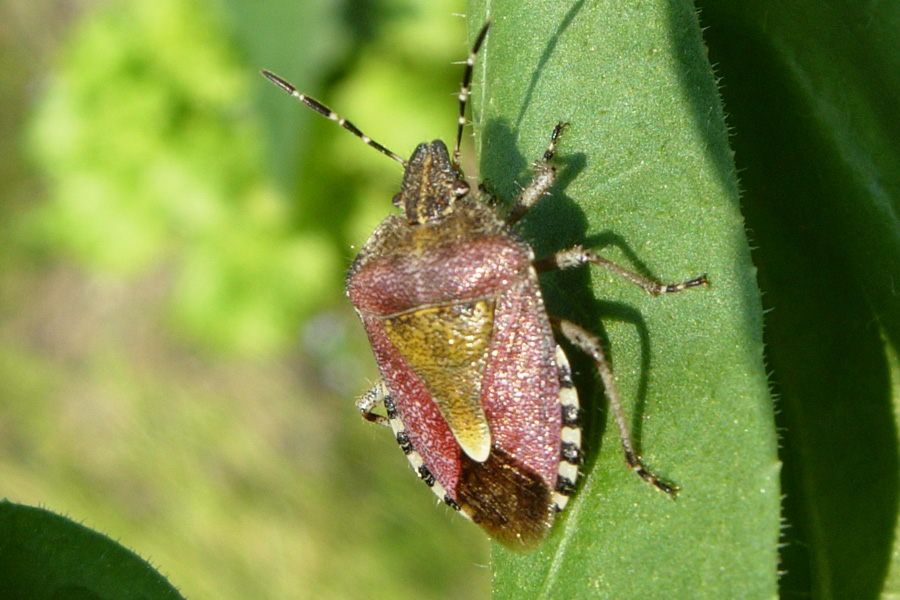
{"points": [[460, 189]]}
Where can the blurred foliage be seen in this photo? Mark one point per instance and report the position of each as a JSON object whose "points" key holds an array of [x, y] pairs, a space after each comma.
{"points": [[154, 155], [177, 363]]}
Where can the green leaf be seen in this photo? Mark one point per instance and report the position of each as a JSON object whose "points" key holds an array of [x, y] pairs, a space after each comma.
{"points": [[44, 555], [812, 91], [646, 173]]}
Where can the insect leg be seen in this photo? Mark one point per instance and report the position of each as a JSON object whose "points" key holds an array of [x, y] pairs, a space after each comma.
{"points": [[487, 194], [573, 257], [590, 345], [544, 176], [368, 401]]}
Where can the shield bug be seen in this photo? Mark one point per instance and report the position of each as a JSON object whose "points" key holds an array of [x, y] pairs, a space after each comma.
{"points": [[476, 389]]}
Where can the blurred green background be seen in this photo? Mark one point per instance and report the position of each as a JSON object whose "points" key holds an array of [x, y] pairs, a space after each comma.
{"points": [[177, 361]]}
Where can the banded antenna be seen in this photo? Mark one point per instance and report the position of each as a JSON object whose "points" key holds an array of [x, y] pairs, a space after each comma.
{"points": [[326, 112], [330, 114]]}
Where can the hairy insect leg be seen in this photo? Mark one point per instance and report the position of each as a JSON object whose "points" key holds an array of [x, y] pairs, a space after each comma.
{"points": [[590, 345], [573, 257], [371, 399], [544, 176]]}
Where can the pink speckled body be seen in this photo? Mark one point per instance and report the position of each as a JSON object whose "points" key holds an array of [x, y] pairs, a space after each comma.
{"points": [[470, 256], [519, 387]]}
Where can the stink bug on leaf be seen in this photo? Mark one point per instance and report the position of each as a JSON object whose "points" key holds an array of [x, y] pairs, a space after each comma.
{"points": [[477, 391]]}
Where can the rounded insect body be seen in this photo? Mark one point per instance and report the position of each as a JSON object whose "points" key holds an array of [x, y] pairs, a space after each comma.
{"points": [[454, 314], [477, 391]]}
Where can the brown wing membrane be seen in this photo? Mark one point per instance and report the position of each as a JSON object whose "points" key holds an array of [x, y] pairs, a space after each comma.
{"points": [[510, 502]]}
